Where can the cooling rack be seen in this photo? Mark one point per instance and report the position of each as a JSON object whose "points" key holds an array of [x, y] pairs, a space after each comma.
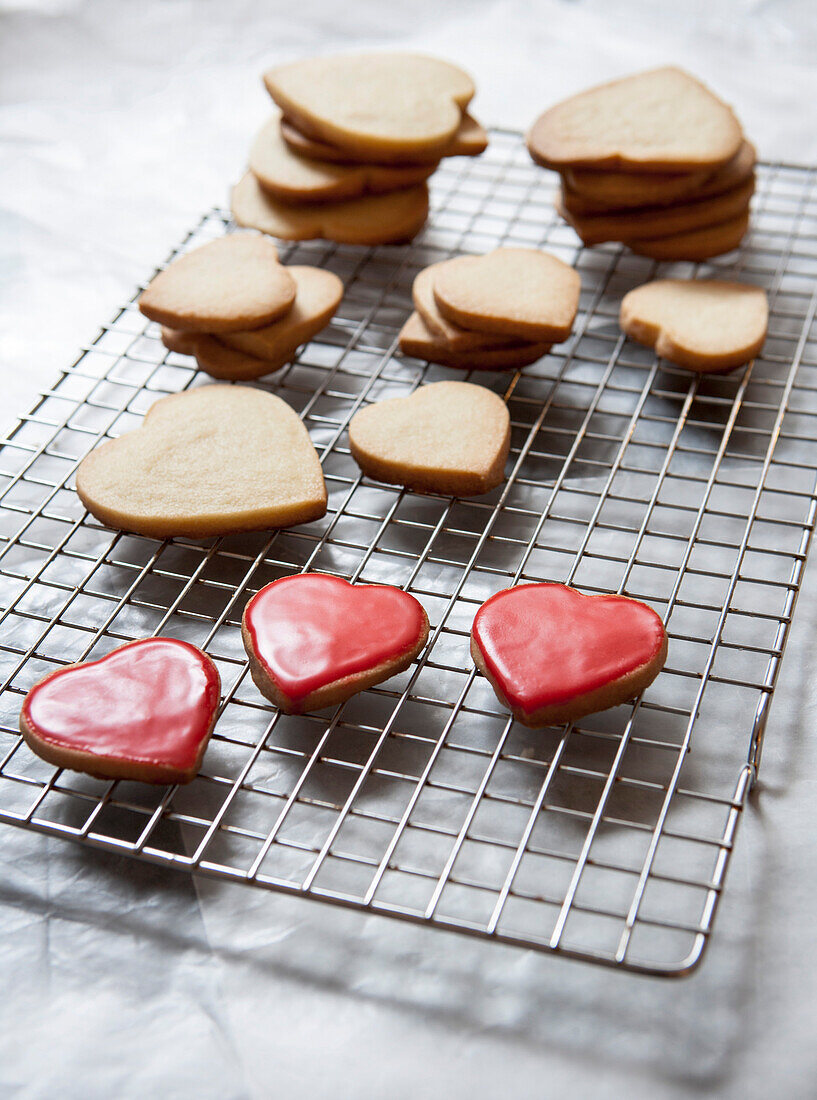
{"points": [[607, 840]]}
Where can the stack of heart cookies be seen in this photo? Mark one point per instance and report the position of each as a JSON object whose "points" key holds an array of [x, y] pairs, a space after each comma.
{"points": [[656, 161], [233, 306], [353, 139], [500, 311]]}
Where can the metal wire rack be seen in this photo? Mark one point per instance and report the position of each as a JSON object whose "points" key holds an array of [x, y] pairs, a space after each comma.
{"points": [[607, 840]]}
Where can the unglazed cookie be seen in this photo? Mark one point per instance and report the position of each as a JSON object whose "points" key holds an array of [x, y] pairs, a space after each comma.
{"points": [[227, 364], [293, 178], [373, 219], [455, 338], [374, 103], [591, 192], [705, 325], [209, 461], [663, 120], [252, 354], [145, 712], [659, 221], [449, 437], [314, 640], [553, 655], [417, 341], [698, 244], [469, 141], [517, 292], [232, 283]]}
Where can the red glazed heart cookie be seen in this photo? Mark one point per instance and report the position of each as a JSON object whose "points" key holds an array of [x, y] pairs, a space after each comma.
{"points": [[145, 711], [553, 655], [315, 640]]}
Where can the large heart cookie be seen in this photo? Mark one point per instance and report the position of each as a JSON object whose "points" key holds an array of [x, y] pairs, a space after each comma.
{"points": [[232, 283], [663, 120], [449, 437], [206, 462], [144, 711], [373, 219], [705, 325], [553, 654], [315, 640], [374, 103], [469, 141], [291, 177], [518, 292]]}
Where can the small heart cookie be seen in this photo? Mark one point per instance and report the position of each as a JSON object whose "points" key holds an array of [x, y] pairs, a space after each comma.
{"points": [[314, 640], [517, 292], [145, 711], [252, 354], [373, 219], [232, 283], [374, 103], [553, 655], [705, 325], [469, 141], [449, 437], [455, 338], [419, 342], [209, 461], [663, 120], [291, 177]]}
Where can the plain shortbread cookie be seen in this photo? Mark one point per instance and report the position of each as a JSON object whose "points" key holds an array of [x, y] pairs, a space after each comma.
{"points": [[661, 120], [705, 325], [374, 103], [698, 244], [292, 177], [209, 461], [373, 219], [519, 292], [448, 437], [234, 282], [419, 342], [469, 141]]}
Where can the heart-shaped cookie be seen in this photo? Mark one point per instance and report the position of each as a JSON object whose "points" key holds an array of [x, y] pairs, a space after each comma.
{"points": [[696, 244], [209, 461], [663, 120], [374, 103], [449, 437], [553, 654], [517, 292], [589, 192], [232, 283], [145, 711], [292, 177], [372, 219], [469, 141], [455, 338], [705, 325], [419, 342], [660, 221], [315, 640], [251, 354]]}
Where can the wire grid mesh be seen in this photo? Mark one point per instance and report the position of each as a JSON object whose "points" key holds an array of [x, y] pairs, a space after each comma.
{"points": [[606, 840]]}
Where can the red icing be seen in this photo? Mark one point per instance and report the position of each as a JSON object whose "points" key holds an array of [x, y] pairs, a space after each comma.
{"points": [[545, 644], [148, 702], [311, 630]]}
